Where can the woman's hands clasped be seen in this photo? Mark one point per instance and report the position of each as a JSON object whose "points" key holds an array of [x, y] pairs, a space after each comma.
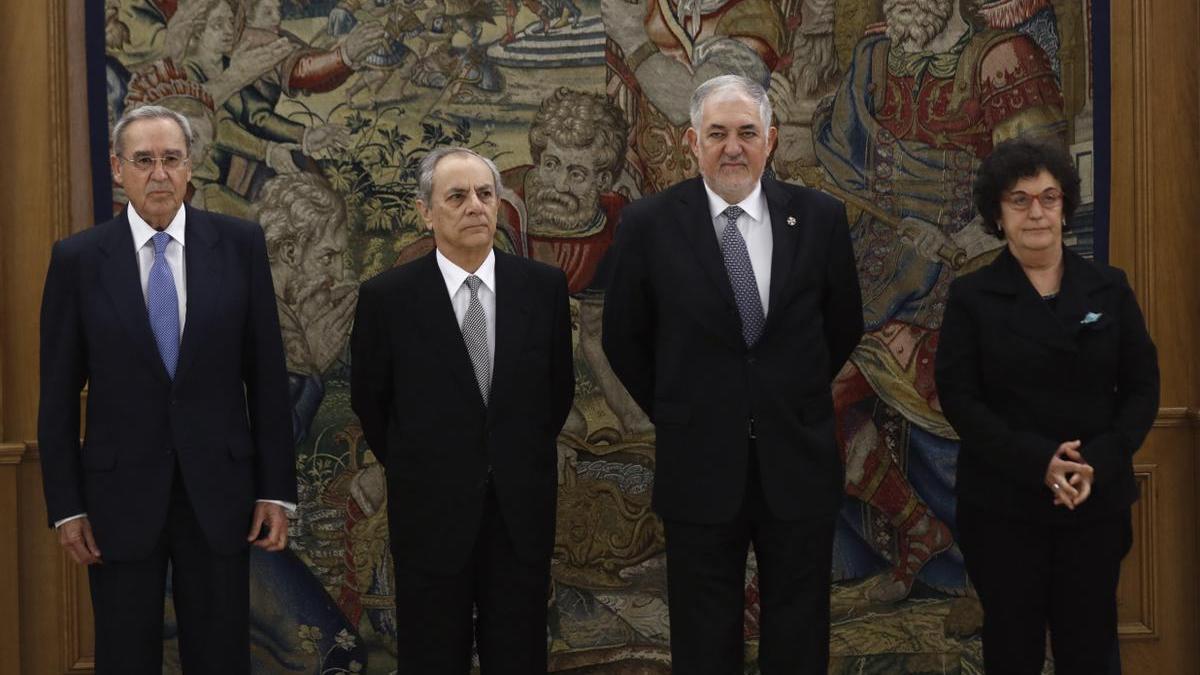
{"points": [[1069, 476]]}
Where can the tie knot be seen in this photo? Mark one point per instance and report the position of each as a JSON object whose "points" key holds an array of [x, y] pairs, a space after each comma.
{"points": [[473, 282], [160, 239], [732, 213]]}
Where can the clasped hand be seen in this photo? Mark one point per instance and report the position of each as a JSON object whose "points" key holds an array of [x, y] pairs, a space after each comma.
{"points": [[1069, 476]]}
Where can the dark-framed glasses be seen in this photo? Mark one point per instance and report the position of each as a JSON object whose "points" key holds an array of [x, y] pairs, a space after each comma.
{"points": [[146, 163], [1050, 198]]}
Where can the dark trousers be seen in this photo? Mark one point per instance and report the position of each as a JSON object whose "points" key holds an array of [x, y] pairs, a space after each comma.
{"points": [[507, 595], [706, 567], [1031, 576], [212, 602]]}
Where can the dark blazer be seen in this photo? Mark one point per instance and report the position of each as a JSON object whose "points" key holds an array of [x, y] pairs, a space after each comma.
{"points": [[414, 390], [673, 335], [225, 418], [1017, 378]]}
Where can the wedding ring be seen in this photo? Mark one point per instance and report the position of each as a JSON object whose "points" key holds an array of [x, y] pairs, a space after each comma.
{"points": [[1056, 486]]}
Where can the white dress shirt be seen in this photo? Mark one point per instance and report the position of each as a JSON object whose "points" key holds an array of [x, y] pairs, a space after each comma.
{"points": [[143, 248], [755, 226], [460, 295]]}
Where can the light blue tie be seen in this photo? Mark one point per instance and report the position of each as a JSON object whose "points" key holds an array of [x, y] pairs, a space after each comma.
{"points": [[162, 303], [741, 277]]}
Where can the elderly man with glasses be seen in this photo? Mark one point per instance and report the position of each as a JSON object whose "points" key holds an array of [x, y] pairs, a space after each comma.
{"points": [[167, 313]]}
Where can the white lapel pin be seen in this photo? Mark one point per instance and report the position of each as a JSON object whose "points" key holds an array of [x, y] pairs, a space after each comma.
{"points": [[791, 221]]}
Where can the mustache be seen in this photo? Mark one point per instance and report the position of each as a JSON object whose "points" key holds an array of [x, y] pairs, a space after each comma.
{"points": [[548, 196]]}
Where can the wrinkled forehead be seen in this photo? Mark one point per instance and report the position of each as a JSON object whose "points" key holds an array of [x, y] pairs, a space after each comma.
{"points": [[731, 108], [462, 173], [151, 136]]}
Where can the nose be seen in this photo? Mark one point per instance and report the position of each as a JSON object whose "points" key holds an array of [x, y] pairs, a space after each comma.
{"points": [[159, 172], [1035, 208], [732, 148]]}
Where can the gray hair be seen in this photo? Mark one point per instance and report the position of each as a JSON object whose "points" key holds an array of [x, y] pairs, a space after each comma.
{"points": [[150, 112], [430, 162], [296, 207], [724, 83]]}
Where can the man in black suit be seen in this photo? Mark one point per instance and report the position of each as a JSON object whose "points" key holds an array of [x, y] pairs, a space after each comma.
{"points": [[167, 313], [733, 303], [462, 378]]}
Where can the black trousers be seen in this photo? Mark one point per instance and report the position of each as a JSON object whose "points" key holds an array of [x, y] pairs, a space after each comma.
{"points": [[211, 594], [497, 600], [706, 567], [1031, 576]]}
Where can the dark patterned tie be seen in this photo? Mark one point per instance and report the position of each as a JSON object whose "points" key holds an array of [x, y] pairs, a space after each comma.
{"points": [[741, 277], [162, 304], [474, 330]]}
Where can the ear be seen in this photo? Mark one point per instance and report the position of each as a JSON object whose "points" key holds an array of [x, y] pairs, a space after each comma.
{"points": [[772, 138], [287, 253], [426, 214], [605, 180], [693, 141], [115, 163]]}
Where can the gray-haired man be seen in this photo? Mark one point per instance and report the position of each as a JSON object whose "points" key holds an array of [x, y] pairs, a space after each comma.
{"points": [[462, 378], [168, 314]]}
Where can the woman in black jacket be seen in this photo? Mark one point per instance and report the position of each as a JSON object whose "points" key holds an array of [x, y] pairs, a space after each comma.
{"points": [[1047, 372]]}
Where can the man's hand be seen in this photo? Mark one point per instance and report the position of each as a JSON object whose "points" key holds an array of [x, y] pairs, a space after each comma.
{"points": [[187, 22], [318, 138], [274, 517], [1068, 476], [76, 537], [363, 40]]}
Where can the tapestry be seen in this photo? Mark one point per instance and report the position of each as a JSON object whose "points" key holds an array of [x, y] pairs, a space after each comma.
{"points": [[311, 117]]}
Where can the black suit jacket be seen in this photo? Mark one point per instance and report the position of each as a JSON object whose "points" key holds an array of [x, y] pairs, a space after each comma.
{"points": [[1017, 378], [415, 392], [224, 419], [673, 335]]}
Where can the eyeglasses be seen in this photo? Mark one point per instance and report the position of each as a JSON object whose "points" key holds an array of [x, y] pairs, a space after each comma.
{"points": [[1050, 198], [146, 164]]}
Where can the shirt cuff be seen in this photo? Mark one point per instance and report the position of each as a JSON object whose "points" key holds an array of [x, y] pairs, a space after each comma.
{"points": [[291, 508], [58, 523]]}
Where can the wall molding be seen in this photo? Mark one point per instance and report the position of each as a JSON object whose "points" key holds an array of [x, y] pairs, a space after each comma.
{"points": [[1145, 532]]}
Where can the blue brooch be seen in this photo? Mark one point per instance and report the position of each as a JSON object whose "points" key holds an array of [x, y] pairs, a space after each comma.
{"points": [[1091, 317]]}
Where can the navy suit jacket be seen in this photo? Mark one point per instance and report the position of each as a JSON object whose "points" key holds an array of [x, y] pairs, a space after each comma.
{"points": [[673, 335], [224, 419]]}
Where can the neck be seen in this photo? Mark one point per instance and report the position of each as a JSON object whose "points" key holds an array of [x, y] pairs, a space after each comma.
{"points": [[467, 260], [159, 223], [731, 197], [1044, 268]]}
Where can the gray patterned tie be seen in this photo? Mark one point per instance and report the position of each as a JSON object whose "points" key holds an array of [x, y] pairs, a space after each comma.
{"points": [[741, 277], [474, 331]]}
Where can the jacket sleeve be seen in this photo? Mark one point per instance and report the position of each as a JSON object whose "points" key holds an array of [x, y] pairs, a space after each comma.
{"points": [[264, 373], [1137, 395], [371, 373], [63, 373], [628, 335], [563, 385], [843, 299], [1022, 456]]}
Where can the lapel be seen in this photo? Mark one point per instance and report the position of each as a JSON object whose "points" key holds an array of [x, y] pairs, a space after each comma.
{"points": [[784, 248], [697, 223], [121, 280], [512, 319], [1028, 314], [436, 317], [1080, 282], [204, 275]]}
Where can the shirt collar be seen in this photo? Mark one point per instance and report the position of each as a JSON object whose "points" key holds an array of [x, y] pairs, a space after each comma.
{"points": [[752, 204], [142, 232], [454, 275]]}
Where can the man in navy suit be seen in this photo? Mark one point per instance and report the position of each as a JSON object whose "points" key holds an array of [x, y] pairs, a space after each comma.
{"points": [[167, 314], [733, 303]]}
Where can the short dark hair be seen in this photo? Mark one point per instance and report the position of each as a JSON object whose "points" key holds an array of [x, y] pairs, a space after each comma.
{"points": [[1019, 158]]}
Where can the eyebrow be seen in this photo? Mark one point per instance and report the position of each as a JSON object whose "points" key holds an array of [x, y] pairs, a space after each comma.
{"points": [[721, 127]]}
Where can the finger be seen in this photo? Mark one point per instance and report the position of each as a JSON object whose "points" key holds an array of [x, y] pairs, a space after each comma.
{"points": [[76, 552], [89, 542], [256, 526], [1084, 493], [1072, 454], [1065, 467], [278, 536]]}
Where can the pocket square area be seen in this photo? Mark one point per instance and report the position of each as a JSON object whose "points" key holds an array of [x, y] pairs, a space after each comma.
{"points": [[1091, 317]]}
